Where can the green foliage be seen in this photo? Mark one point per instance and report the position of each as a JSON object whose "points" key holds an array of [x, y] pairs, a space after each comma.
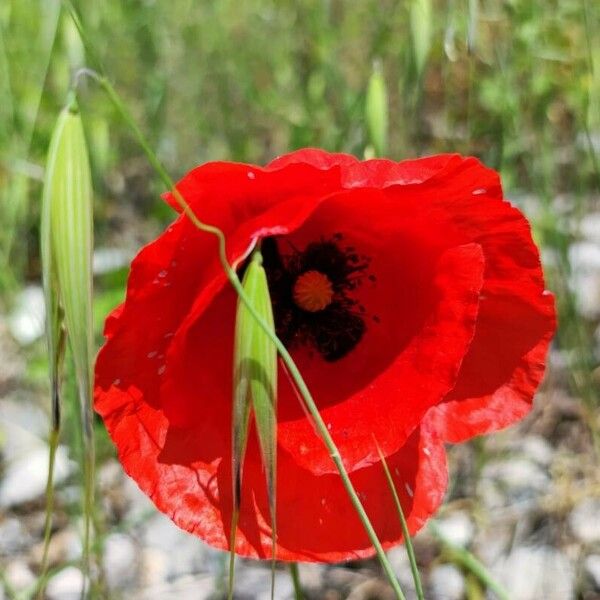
{"points": [[247, 81], [67, 242], [66, 252], [376, 111], [421, 24], [254, 391]]}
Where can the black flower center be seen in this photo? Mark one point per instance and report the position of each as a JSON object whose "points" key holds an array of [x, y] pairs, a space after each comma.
{"points": [[312, 297]]}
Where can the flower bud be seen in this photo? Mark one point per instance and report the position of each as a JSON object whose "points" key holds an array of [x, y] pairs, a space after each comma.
{"points": [[255, 382], [376, 111], [66, 249]]}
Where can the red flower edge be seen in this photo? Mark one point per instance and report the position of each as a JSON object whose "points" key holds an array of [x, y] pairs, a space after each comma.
{"points": [[458, 352]]}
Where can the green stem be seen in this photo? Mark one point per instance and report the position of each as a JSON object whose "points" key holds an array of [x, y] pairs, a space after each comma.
{"points": [[231, 564], [7, 587], [89, 461], [53, 445], [469, 562], [236, 284], [285, 355], [407, 540], [298, 595]]}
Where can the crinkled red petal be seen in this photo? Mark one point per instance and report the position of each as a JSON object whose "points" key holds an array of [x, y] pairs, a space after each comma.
{"points": [[382, 173], [463, 342], [506, 362], [407, 362], [188, 476]]}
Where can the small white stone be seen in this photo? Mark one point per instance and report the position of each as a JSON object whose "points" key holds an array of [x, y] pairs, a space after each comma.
{"points": [[446, 583], [65, 585], [519, 478], [457, 528], [65, 545], [13, 537], [200, 587], [535, 573], [27, 321], [110, 474], [584, 256], [585, 278], [138, 504], [107, 260], [256, 583], [538, 449], [154, 567], [23, 425], [585, 521], [592, 570], [19, 575], [120, 561], [25, 478], [590, 227], [401, 566], [184, 553]]}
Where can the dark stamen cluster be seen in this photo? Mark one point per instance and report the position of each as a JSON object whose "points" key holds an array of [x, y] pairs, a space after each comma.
{"points": [[336, 329]]}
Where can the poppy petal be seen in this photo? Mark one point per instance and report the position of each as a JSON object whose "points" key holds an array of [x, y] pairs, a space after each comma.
{"points": [[516, 321], [400, 369], [382, 173], [456, 327], [193, 487], [502, 371]]}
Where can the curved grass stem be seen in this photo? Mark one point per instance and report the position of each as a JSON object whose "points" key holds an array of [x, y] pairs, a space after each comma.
{"points": [[52, 445], [468, 561], [405, 532], [293, 370], [298, 595]]}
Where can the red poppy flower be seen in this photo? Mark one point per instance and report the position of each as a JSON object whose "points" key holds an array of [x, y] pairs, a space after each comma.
{"points": [[409, 294]]}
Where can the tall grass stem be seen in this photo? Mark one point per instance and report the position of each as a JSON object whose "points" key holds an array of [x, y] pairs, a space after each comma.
{"points": [[298, 594], [468, 561], [405, 532], [235, 282]]}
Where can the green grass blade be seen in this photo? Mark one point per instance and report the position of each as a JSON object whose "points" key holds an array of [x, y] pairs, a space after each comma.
{"points": [[421, 32], [473, 27], [304, 392], [255, 385], [7, 109], [407, 539], [240, 426], [67, 244], [263, 390], [468, 561], [54, 314], [55, 333], [70, 187], [298, 594], [53, 446], [376, 111]]}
